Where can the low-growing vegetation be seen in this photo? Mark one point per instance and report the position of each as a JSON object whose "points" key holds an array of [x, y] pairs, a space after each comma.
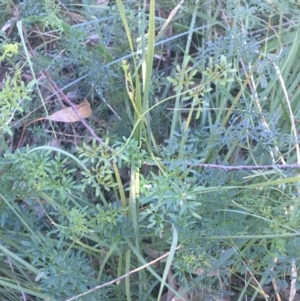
{"points": [[149, 150]]}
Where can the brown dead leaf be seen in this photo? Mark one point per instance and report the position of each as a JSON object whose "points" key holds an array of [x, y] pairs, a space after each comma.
{"points": [[75, 17], [172, 282], [16, 13], [200, 271], [7, 25], [54, 142], [184, 296], [69, 115]]}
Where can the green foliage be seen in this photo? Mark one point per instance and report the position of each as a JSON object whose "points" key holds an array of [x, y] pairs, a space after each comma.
{"points": [[52, 10], [82, 213], [15, 94]]}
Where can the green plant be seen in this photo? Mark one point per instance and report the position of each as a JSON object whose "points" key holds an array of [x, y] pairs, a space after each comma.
{"points": [[220, 93]]}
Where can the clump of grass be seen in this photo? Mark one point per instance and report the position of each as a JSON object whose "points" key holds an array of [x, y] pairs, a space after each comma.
{"points": [[176, 186]]}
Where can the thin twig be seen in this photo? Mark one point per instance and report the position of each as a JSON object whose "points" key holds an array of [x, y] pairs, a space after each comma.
{"points": [[122, 277], [73, 106], [247, 167]]}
